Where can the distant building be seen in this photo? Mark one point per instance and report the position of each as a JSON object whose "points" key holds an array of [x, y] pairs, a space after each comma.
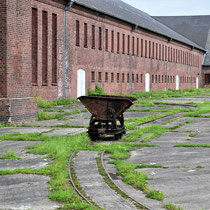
{"points": [[57, 48], [197, 29]]}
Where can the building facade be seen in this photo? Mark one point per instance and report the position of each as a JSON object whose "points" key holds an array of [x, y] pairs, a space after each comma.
{"points": [[57, 48]]}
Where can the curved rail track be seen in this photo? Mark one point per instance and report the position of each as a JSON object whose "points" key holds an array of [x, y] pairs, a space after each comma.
{"points": [[135, 202]]}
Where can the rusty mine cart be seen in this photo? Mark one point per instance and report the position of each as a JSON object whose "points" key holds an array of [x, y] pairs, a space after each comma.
{"points": [[106, 110]]}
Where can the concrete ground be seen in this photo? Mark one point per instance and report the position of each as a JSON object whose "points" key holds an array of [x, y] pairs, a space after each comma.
{"points": [[184, 178]]}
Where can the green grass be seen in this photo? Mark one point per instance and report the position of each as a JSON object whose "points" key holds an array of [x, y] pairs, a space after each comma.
{"points": [[203, 108], [137, 179], [42, 103], [155, 194], [152, 131], [42, 115], [193, 135], [199, 166], [172, 206], [10, 155], [192, 145]]}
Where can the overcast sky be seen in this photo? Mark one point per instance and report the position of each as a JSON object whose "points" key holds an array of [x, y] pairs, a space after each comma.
{"points": [[172, 7]]}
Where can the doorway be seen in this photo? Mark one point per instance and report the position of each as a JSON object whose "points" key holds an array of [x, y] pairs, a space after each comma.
{"points": [[147, 82], [81, 77]]}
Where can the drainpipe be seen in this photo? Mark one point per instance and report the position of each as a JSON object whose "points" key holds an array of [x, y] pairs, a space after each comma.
{"points": [[204, 56], [67, 7], [131, 59]]}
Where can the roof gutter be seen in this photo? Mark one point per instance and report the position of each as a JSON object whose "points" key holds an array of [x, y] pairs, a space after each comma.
{"points": [[67, 7]]}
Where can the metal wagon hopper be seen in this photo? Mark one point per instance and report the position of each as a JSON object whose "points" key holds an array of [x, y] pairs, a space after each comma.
{"points": [[107, 114]]}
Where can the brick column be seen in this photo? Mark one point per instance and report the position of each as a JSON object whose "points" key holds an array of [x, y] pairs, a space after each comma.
{"points": [[16, 101]]}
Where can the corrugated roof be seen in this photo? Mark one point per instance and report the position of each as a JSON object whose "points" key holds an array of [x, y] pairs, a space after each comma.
{"points": [[195, 28], [127, 13]]}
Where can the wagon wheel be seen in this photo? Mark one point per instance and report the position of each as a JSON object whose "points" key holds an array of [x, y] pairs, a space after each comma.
{"points": [[118, 136], [94, 136]]}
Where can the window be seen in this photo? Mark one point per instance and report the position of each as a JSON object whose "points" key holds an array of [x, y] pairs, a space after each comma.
{"points": [[118, 77], [145, 48], [99, 76], [128, 44], [162, 79], [156, 50], [77, 32], [165, 79], [133, 78], [141, 77], [169, 54], [118, 42], [54, 49], [100, 38], [153, 50], [166, 53], [149, 49], [34, 46], [142, 47], [163, 56], [137, 78], [159, 79], [137, 49], [106, 76], [112, 77], [123, 43], [159, 51], [107, 40], [155, 78], [112, 42], [123, 77], [128, 77], [85, 35], [92, 76], [93, 37], [152, 78], [44, 47], [133, 45], [174, 55]]}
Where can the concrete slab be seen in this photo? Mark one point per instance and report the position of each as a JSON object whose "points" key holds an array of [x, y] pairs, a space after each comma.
{"points": [[22, 191], [22, 130], [28, 160], [65, 132], [186, 99]]}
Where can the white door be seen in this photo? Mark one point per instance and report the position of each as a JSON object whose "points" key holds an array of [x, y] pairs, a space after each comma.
{"points": [[197, 83], [80, 82], [177, 82], [147, 82]]}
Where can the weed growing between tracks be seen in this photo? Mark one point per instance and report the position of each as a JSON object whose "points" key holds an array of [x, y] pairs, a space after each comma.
{"points": [[10, 155]]}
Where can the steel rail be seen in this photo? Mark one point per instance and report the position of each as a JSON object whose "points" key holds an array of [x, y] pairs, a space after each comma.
{"points": [[135, 201]]}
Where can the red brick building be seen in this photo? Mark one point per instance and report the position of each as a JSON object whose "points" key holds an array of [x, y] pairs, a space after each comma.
{"points": [[57, 48]]}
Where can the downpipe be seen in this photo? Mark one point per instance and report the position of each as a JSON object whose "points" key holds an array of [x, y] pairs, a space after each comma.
{"points": [[67, 8]]}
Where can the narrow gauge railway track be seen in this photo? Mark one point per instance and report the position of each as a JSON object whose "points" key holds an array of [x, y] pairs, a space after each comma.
{"points": [[88, 200], [107, 173], [73, 183]]}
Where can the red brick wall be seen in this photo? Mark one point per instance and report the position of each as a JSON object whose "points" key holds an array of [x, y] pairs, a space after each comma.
{"points": [[101, 61], [96, 60], [53, 88], [16, 101], [3, 49]]}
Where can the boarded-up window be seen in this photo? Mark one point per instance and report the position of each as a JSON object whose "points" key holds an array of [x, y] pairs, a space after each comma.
{"points": [[44, 47], [77, 32], [54, 49], [34, 46], [85, 35]]}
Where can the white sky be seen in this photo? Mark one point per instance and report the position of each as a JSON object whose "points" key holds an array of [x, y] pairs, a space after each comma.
{"points": [[172, 7]]}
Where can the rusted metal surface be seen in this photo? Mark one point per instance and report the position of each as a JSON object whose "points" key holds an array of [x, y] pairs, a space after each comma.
{"points": [[106, 111]]}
